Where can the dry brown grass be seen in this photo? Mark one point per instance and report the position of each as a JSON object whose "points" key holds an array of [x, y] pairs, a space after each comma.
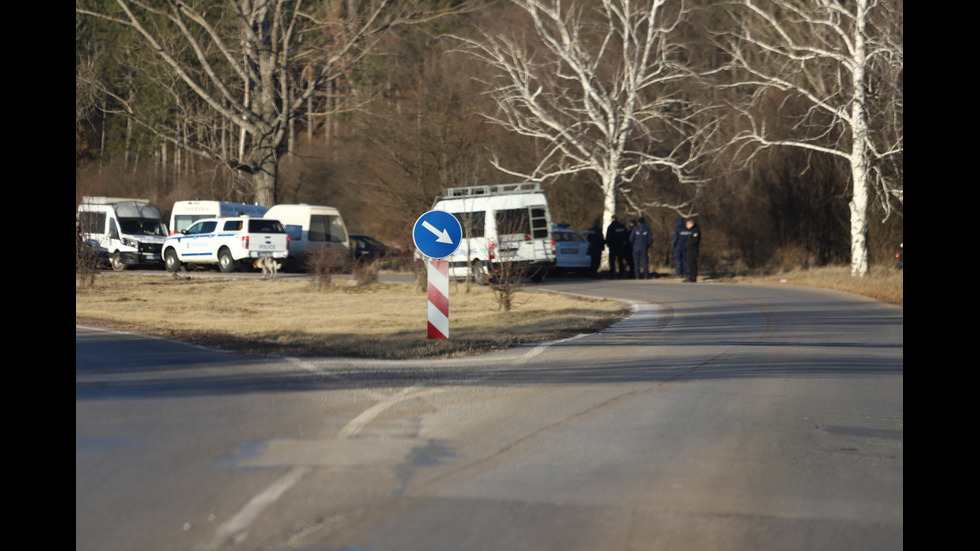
{"points": [[291, 317], [884, 283], [380, 320]]}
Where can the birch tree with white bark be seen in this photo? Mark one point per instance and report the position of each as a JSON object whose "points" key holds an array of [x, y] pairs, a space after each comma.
{"points": [[599, 89], [842, 60], [254, 63]]}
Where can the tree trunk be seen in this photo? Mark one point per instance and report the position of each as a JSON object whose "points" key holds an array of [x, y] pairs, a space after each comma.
{"points": [[265, 173], [608, 210], [859, 154]]}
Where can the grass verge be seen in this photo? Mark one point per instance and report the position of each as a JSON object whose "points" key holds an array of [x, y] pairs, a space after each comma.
{"points": [[883, 283], [380, 320], [292, 318]]}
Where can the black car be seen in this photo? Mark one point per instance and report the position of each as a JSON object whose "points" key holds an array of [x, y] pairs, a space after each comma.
{"points": [[364, 247]]}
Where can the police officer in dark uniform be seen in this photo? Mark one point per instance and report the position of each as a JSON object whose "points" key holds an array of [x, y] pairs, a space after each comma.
{"points": [[641, 239], [596, 244], [617, 240], [680, 248], [693, 243]]}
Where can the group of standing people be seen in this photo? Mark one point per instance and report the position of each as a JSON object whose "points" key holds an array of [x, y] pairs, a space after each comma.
{"points": [[629, 248]]}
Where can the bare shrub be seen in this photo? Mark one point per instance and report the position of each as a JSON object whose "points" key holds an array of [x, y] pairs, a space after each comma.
{"points": [[790, 257], [509, 271], [365, 271], [86, 263], [510, 279], [323, 263]]}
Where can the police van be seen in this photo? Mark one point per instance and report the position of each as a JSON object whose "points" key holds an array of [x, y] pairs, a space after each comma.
{"points": [[185, 213], [123, 232], [505, 223]]}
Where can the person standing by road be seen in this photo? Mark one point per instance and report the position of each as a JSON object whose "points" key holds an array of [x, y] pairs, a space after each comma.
{"points": [[617, 240], [641, 239], [693, 245], [596, 244], [680, 248], [629, 252]]}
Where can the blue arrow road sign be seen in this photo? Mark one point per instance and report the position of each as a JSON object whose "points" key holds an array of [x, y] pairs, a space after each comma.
{"points": [[437, 234]]}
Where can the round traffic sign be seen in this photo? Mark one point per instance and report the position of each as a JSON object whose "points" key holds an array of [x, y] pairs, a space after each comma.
{"points": [[437, 234]]}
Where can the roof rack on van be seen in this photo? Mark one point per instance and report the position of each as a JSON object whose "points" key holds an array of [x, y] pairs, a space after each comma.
{"points": [[98, 200], [497, 189]]}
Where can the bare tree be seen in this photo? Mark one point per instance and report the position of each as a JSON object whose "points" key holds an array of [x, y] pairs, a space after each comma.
{"points": [[842, 60], [602, 91], [255, 63]]}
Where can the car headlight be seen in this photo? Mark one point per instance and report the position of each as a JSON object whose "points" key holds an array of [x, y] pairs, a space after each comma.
{"points": [[131, 243]]}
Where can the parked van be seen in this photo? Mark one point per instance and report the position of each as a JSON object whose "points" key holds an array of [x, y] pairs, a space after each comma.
{"points": [[186, 213], [123, 232], [507, 222], [311, 228]]}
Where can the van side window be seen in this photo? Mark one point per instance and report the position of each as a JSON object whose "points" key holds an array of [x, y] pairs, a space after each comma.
{"points": [[319, 228], [337, 232], [326, 227], [294, 231], [510, 221], [472, 223], [92, 222], [539, 222]]}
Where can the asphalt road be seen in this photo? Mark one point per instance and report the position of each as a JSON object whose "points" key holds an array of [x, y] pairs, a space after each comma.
{"points": [[718, 417]]}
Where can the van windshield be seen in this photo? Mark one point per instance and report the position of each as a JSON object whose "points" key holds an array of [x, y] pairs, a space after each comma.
{"points": [[142, 226]]}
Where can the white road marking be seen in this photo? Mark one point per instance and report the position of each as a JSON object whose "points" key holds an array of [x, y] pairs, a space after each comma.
{"points": [[237, 527], [239, 523]]}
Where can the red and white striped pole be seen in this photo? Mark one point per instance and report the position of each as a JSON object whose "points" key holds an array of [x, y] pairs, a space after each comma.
{"points": [[438, 299]]}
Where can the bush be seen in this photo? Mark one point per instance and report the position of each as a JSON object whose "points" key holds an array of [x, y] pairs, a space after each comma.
{"points": [[86, 263], [365, 271], [323, 263]]}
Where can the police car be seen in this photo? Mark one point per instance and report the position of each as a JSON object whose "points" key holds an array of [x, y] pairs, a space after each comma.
{"points": [[571, 250]]}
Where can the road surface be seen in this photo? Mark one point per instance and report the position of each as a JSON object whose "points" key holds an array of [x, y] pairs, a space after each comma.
{"points": [[719, 417]]}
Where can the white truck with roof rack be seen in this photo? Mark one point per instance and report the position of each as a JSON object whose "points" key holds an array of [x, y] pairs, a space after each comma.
{"points": [[123, 232], [501, 223]]}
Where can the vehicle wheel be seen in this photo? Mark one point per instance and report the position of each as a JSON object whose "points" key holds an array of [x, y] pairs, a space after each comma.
{"points": [[225, 262], [170, 261], [116, 262], [480, 274]]}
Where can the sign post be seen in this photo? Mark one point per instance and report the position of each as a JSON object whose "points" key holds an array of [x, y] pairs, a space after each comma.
{"points": [[437, 234]]}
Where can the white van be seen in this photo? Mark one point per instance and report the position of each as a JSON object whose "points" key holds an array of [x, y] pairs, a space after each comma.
{"points": [[185, 213], [507, 222], [311, 228], [123, 232]]}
